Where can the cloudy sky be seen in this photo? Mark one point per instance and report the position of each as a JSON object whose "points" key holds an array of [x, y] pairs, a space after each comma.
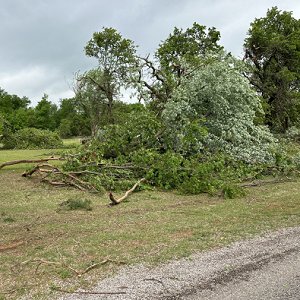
{"points": [[42, 41]]}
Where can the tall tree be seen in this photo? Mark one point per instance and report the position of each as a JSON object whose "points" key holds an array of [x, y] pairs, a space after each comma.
{"points": [[176, 58], [91, 100], [272, 50], [116, 61], [45, 114]]}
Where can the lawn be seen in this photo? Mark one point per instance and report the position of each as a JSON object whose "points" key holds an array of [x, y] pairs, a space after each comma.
{"points": [[43, 247]]}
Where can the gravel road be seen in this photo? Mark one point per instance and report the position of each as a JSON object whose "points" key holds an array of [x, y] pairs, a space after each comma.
{"points": [[267, 267]]}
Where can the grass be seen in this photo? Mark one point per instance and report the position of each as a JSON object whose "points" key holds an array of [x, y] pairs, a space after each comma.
{"points": [[71, 142], [151, 227]]}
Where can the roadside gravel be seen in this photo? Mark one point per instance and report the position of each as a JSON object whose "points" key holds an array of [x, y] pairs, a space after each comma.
{"points": [[200, 274]]}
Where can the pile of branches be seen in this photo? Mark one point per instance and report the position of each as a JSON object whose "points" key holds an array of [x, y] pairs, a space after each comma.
{"points": [[80, 179]]}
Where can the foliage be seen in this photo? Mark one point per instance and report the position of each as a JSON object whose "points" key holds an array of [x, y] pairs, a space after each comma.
{"points": [[116, 63], [45, 114], [272, 50], [31, 138], [220, 96], [138, 131], [293, 134], [176, 58], [72, 121], [193, 175], [10, 103]]}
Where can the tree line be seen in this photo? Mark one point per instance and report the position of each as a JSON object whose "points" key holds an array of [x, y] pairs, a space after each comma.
{"points": [[271, 65]]}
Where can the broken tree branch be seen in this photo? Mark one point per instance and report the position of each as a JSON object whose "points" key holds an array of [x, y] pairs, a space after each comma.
{"points": [[118, 201], [26, 161]]}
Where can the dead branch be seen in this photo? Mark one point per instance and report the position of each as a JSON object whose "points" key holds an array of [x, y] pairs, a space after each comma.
{"points": [[27, 161], [39, 168], [88, 293], [79, 273], [118, 201]]}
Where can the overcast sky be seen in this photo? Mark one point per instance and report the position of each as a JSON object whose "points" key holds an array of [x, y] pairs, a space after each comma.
{"points": [[42, 41]]}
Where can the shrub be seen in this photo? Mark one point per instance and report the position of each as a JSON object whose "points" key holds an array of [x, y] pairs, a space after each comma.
{"points": [[75, 204], [31, 138]]}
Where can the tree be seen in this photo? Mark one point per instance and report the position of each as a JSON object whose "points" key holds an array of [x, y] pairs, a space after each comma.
{"points": [[221, 100], [15, 110], [71, 119], [272, 51], [45, 114], [176, 58], [10, 103], [116, 62]]}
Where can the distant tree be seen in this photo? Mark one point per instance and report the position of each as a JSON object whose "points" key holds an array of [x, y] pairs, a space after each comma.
{"points": [[72, 120], [10, 103], [45, 114], [176, 58], [272, 51], [15, 110], [116, 62]]}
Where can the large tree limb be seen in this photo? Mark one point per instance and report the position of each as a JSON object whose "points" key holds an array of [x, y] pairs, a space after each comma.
{"points": [[28, 161], [115, 201]]}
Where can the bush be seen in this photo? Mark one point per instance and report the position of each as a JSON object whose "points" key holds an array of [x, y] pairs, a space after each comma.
{"points": [[75, 204], [31, 138]]}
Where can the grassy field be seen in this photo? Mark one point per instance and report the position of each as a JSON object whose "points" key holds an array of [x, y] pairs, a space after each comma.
{"points": [[43, 248]]}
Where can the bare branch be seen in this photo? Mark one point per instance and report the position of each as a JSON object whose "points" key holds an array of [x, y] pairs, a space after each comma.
{"points": [[118, 201], [27, 161]]}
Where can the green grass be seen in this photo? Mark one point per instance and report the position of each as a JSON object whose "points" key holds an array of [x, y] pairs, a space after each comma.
{"points": [[71, 142], [151, 227]]}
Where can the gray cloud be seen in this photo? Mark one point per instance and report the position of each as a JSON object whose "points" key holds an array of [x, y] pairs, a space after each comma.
{"points": [[42, 41]]}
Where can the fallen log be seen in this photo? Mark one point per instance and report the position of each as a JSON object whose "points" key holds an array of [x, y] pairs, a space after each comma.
{"points": [[28, 161], [115, 201]]}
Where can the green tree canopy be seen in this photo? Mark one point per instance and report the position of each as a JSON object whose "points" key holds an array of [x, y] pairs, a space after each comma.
{"points": [[221, 100], [45, 114], [272, 50], [176, 58], [10, 103], [116, 62]]}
